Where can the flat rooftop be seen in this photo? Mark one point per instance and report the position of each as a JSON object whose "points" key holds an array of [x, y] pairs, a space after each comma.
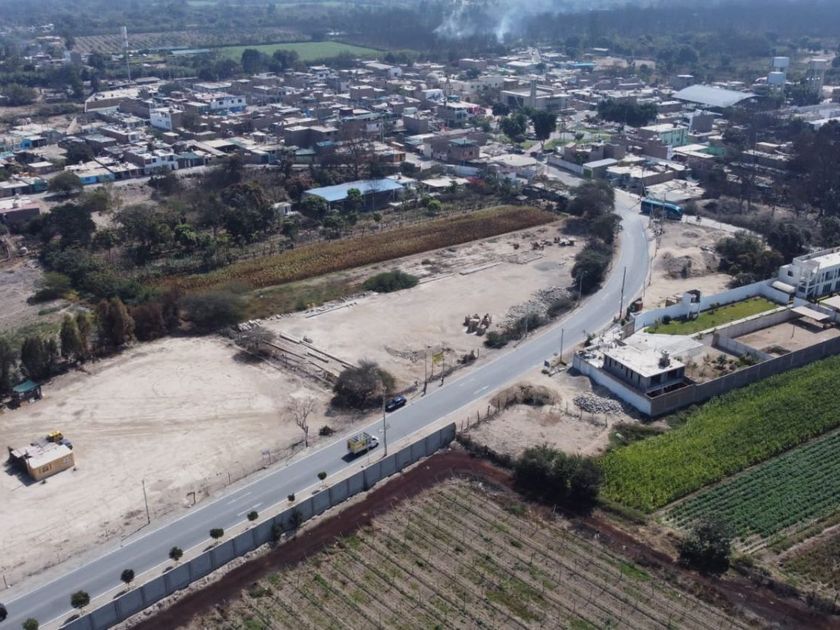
{"points": [[641, 361]]}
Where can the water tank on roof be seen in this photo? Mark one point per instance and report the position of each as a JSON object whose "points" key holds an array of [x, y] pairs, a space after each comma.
{"points": [[781, 63]]}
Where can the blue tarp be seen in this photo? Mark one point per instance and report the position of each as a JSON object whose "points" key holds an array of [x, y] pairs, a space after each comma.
{"points": [[331, 194]]}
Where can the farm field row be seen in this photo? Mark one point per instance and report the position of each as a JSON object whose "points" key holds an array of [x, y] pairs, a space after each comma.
{"points": [[307, 51], [725, 436], [794, 488], [320, 258], [817, 563], [113, 43], [459, 557]]}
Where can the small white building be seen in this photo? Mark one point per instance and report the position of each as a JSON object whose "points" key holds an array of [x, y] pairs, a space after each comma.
{"points": [[813, 275]]}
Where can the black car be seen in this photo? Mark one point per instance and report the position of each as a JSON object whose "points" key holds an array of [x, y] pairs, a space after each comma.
{"points": [[395, 403], [3, 612]]}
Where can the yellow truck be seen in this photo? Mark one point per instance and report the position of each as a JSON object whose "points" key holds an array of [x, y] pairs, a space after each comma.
{"points": [[361, 443]]}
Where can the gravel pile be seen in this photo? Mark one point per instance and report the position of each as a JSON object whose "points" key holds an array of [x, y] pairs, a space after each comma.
{"points": [[595, 404], [538, 304]]}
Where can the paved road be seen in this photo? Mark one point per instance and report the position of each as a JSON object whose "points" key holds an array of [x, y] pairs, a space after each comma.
{"points": [[50, 601]]}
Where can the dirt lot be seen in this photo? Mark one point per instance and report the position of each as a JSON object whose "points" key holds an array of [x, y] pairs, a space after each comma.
{"points": [[563, 425], [18, 280], [164, 412], [398, 329], [685, 259], [789, 336]]}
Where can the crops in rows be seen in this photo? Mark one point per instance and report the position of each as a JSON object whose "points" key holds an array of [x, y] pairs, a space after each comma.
{"points": [[454, 557], [818, 563], [725, 436], [321, 258], [801, 485]]}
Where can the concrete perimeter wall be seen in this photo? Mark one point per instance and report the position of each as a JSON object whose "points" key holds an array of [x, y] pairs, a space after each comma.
{"points": [[183, 575]]}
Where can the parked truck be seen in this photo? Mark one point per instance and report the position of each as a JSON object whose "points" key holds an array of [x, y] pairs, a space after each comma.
{"points": [[361, 443]]}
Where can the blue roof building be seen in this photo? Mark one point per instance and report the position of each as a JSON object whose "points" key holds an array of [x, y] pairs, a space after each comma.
{"points": [[380, 189]]}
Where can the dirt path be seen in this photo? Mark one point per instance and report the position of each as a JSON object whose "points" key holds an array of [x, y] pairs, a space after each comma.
{"points": [[731, 593]]}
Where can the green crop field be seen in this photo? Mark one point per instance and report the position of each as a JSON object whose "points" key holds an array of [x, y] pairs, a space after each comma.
{"points": [[725, 436], [307, 51], [714, 317], [798, 486]]}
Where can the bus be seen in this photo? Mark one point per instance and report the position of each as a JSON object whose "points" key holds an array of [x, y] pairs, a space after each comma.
{"points": [[658, 208]]}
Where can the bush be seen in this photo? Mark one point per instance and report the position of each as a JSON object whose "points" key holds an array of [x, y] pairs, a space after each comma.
{"points": [[291, 498], [495, 339], [322, 475], [213, 310], [216, 533], [362, 387], [591, 264], [176, 553], [707, 547], [79, 599], [276, 532], [127, 576], [52, 286], [253, 515], [31, 624], [553, 476], [326, 431], [390, 281], [559, 306]]}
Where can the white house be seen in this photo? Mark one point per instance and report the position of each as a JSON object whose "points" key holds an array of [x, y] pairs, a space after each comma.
{"points": [[813, 275]]}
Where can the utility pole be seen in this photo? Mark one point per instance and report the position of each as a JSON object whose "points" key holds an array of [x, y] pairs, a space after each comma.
{"points": [[425, 369], [146, 501], [580, 284], [384, 423], [562, 333], [621, 301]]}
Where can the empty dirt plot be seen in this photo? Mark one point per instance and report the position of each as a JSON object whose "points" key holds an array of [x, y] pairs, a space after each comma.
{"points": [[18, 281], [403, 330], [184, 415], [458, 556], [788, 337], [685, 259]]}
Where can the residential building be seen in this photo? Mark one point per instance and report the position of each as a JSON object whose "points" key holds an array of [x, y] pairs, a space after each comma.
{"points": [[815, 275], [646, 371]]}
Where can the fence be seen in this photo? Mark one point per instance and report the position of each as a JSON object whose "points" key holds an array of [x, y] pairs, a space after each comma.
{"points": [[182, 575]]}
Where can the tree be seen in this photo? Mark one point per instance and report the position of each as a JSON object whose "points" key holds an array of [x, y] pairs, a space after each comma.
{"points": [[65, 183], [500, 109], [515, 126], [78, 152], [7, 366], [314, 208], [253, 515], [249, 211], [553, 476], [176, 553], [284, 59], [390, 281], [147, 227], [362, 386], [127, 576], [544, 124], [252, 61], [707, 547], [591, 265], [592, 199], [354, 201], [79, 599], [71, 340], [149, 322], [31, 624], [302, 408], [73, 223], [85, 326], [216, 533], [115, 325], [788, 239], [213, 310], [17, 94], [36, 358], [627, 113]]}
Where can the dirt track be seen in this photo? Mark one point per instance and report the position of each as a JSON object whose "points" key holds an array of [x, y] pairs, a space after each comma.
{"points": [[730, 593]]}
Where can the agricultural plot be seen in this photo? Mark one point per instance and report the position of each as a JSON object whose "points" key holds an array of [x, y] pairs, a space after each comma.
{"points": [[307, 51], [801, 485], [818, 563], [457, 557], [725, 436], [321, 258], [113, 43]]}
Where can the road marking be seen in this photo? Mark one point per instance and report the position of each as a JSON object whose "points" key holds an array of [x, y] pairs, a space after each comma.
{"points": [[481, 389], [239, 498]]}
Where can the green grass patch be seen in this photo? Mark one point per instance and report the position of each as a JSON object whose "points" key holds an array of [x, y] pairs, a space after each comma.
{"points": [[307, 51], [632, 571], [714, 317], [297, 296], [795, 487], [725, 436]]}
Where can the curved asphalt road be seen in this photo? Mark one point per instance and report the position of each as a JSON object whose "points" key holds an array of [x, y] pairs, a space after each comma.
{"points": [[50, 601]]}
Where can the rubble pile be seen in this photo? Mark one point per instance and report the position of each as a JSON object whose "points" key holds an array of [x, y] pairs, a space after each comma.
{"points": [[537, 305], [595, 404]]}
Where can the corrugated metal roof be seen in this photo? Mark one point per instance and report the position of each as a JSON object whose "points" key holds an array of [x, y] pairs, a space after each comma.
{"points": [[339, 191], [711, 96]]}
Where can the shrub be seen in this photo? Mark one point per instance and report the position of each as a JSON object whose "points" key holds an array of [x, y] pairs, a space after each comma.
{"points": [[127, 576], [213, 310], [551, 475], [322, 475], [31, 624], [291, 498], [495, 339], [176, 553], [253, 515], [390, 281], [52, 286], [216, 533], [79, 599], [276, 532], [707, 547], [363, 386], [326, 431]]}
